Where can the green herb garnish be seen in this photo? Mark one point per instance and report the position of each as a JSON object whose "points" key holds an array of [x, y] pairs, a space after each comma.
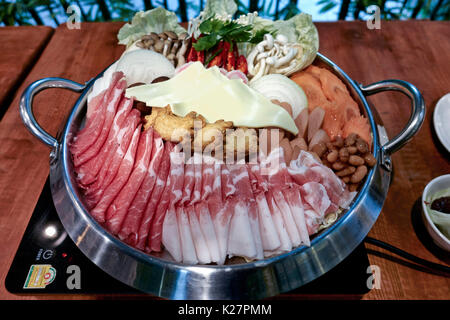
{"points": [[215, 30]]}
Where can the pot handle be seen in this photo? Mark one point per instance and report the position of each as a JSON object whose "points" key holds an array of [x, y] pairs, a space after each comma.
{"points": [[26, 105], [417, 111]]}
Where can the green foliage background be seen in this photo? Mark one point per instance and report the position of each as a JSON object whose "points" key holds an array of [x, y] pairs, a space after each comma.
{"points": [[40, 12]]}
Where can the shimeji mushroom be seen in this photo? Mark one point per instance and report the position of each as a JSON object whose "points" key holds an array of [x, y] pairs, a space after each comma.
{"points": [[272, 56]]}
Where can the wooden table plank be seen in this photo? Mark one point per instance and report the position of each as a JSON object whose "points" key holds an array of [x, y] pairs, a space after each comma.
{"points": [[21, 46], [399, 50]]}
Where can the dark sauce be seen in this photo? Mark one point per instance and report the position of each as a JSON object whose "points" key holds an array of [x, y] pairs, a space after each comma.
{"points": [[441, 204]]}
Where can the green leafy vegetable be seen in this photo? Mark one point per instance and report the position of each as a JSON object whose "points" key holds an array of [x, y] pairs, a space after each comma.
{"points": [[156, 20], [214, 30]]}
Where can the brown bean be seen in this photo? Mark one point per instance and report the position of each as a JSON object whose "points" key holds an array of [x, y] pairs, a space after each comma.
{"points": [[332, 156], [329, 145], [370, 159], [319, 148], [338, 166], [353, 187], [345, 179], [362, 146], [359, 174], [346, 171], [355, 160], [351, 139], [338, 142], [343, 154], [352, 149]]}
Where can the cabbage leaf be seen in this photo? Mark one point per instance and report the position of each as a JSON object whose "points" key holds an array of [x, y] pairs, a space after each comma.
{"points": [[156, 20]]}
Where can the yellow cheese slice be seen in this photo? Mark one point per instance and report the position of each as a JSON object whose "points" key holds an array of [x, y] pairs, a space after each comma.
{"points": [[211, 94]]}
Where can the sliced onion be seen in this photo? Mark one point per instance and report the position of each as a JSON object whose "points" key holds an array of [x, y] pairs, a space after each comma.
{"points": [[281, 88]]}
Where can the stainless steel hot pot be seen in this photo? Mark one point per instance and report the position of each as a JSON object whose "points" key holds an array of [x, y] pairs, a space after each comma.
{"points": [[253, 280]]}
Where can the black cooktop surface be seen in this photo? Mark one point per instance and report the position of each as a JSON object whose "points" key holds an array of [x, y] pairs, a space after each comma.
{"points": [[48, 261]]}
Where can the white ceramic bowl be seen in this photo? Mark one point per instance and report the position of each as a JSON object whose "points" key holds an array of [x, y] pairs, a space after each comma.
{"points": [[441, 120], [435, 185]]}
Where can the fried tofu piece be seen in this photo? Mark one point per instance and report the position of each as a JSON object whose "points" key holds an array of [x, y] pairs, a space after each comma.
{"points": [[171, 127]]}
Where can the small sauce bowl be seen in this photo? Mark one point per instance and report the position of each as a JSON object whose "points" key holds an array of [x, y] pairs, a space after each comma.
{"points": [[435, 185]]}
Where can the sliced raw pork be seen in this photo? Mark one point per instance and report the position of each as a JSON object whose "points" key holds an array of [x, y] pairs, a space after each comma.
{"points": [[88, 171], [110, 108], [148, 216], [118, 209], [130, 226], [125, 168], [93, 126]]}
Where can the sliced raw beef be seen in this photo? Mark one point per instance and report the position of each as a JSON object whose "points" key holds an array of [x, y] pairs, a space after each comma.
{"points": [[130, 226], [88, 135], [110, 112], [154, 199], [118, 209], [110, 167], [125, 168], [87, 172]]}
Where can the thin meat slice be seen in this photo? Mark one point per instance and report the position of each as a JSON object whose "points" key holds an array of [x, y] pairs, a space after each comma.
{"points": [[88, 171], [110, 112], [187, 243], [245, 197], [197, 191], [207, 228], [117, 211], [200, 245], [316, 196], [171, 234], [241, 242], [174, 187], [110, 168], [209, 185], [269, 235], [294, 200], [219, 207], [288, 218], [155, 197], [312, 218], [88, 135], [124, 171], [189, 181], [130, 226], [277, 217]]}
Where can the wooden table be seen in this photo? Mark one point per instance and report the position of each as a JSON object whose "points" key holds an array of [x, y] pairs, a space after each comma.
{"points": [[20, 49], [415, 51]]}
